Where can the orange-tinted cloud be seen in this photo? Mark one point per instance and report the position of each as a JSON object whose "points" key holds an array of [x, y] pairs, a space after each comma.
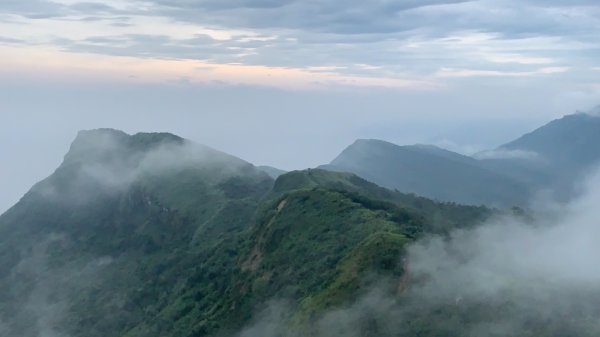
{"points": [[52, 63]]}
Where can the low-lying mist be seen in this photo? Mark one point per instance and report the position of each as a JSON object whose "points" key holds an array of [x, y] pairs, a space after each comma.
{"points": [[110, 161], [39, 294], [512, 276]]}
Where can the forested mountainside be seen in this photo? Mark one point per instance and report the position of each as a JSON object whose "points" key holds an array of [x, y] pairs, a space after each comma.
{"points": [[152, 235]]}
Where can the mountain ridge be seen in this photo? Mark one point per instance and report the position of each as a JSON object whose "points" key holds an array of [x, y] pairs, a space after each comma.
{"points": [[194, 247], [426, 171], [548, 159]]}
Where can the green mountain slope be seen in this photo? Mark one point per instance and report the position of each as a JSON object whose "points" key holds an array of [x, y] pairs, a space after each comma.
{"points": [[151, 235], [126, 214]]}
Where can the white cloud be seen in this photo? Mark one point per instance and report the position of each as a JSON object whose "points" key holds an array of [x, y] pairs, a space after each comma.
{"points": [[145, 71], [517, 58], [46, 30], [325, 68], [399, 40], [462, 73], [553, 70], [506, 254], [507, 154]]}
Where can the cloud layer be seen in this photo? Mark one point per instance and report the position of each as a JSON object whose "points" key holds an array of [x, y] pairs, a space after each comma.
{"points": [[408, 40]]}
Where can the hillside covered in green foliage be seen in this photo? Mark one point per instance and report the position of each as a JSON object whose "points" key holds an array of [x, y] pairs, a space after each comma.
{"points": [[152, 235]]}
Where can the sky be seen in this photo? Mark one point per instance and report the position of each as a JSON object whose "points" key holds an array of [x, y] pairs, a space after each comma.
{"points": [[287, 83]]}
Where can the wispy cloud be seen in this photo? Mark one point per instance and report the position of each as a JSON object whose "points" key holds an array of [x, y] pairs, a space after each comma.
{"points": [[151, 70], [516, 58], [449, 72]]}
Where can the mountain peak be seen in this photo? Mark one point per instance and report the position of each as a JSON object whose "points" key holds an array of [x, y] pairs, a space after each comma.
{"points": [[369, 141], [427, 170], [377, 142], [99, 144], [369, 147], [86, 137], [95, 143], [156, 138], [568, 142]]}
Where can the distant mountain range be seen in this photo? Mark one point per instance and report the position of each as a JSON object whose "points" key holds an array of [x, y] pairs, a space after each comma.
{"points": [[550, 160], [428, 171]]}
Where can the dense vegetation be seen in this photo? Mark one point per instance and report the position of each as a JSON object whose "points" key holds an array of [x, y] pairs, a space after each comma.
{"points": [[149, 235]]}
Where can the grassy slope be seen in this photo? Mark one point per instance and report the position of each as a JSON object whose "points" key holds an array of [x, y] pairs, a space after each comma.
{"points": [[320, 234]]}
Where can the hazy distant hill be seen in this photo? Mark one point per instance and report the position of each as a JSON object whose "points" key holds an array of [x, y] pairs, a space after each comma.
{"points": [[552, 158], [429, 171], [565, 146], [566, 143], [557, 155], [152, 235]]}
